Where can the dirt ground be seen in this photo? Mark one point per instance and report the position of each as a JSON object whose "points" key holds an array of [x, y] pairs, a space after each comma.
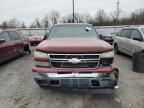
{"points": [[18, 89]]}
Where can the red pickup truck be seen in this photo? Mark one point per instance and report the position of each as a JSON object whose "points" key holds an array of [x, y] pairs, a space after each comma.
{"points": [[72, 56]]}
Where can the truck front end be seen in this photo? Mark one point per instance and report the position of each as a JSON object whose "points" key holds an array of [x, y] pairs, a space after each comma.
{"points": [[75, 64]]}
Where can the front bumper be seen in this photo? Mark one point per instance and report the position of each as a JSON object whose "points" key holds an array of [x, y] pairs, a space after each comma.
{"points": [[77, 83], [75, 79]]}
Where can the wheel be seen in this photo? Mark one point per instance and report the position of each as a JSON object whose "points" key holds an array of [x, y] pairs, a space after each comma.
{"points": [[116, 49], [27, 49]]}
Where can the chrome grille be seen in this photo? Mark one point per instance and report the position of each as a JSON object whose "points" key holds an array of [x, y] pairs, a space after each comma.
{"points": [[74, 61]]}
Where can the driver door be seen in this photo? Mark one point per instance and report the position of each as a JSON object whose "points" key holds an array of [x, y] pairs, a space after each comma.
{"points": [[6, 47]]}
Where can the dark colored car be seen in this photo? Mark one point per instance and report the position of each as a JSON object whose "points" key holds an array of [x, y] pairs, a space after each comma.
{"points": [[11, 45], [35, 40], [72, 56], [106, 35]]}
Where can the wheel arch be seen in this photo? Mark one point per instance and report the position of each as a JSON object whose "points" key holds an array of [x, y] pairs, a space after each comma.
{"points": [[115, 44]]}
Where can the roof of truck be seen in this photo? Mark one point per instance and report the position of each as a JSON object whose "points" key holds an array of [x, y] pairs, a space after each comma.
{"points": [[72, 24]]}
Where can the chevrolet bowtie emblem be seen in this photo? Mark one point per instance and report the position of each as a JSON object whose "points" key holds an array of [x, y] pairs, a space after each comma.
{"points": [[74, 61]]}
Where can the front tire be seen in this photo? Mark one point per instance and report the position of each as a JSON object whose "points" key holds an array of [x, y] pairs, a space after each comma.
{"points": [[116, 49]]}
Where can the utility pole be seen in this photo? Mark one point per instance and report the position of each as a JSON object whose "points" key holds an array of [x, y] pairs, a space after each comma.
{"points": [[118, 12], [117, 15], [73, 11]]}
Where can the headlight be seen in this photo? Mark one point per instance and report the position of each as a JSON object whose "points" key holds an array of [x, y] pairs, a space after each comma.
{"points": [[39, 54], [108, 54], [106, 61], [40, 63]]}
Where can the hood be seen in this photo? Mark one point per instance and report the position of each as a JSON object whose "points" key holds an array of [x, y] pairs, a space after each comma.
{"points": [[74, 45]]}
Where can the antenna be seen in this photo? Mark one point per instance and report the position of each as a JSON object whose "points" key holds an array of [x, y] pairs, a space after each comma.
{"points": [[73, 11]]}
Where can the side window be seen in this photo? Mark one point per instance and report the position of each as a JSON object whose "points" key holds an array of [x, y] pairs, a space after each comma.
{"points": [[118, 33], [136, 34], [5, 36], [126, 33], [13, 36]]}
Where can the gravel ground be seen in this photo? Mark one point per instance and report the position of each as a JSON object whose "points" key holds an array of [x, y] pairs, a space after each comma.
{"points": [[18, 89]]}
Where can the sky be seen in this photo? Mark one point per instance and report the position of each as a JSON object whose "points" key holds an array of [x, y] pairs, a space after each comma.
{"points": [[27, 10]]}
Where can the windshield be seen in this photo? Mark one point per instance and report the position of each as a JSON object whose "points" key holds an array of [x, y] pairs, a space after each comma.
{"points": [[84, 31], [143, 30]]}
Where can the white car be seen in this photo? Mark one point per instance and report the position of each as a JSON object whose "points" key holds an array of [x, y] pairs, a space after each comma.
{"points": [[130, 40]]}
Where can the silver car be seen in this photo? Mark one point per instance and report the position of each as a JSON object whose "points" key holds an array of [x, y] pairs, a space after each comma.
{"points": [[130, 40]]}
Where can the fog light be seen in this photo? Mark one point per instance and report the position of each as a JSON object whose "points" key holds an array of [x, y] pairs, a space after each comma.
{"points": [[54, 82], [95, 83]]}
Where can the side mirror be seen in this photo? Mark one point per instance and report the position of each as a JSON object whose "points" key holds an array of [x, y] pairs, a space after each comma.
{"points": [[88, 29], [2, 41], [45, 36], [138, 39]]}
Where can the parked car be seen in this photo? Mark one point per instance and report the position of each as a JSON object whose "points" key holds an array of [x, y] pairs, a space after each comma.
{"points": [[72, 56], [26, 41], [130, 40], [11, 45], [35, 40], [106, 35]]}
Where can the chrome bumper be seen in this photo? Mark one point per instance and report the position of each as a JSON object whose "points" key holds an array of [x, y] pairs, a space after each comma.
{"points": [[74, 81]]}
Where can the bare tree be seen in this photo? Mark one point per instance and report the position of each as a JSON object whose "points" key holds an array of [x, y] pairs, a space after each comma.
{"points": [[86, 17], [4, 25], [38, 23], [54, 17], [23, 25], [101, 16], [67, 19], [100, 19], [63, 19], [45, 21], [78, 18], [113, 17], [13, 23], [33, 25]]}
